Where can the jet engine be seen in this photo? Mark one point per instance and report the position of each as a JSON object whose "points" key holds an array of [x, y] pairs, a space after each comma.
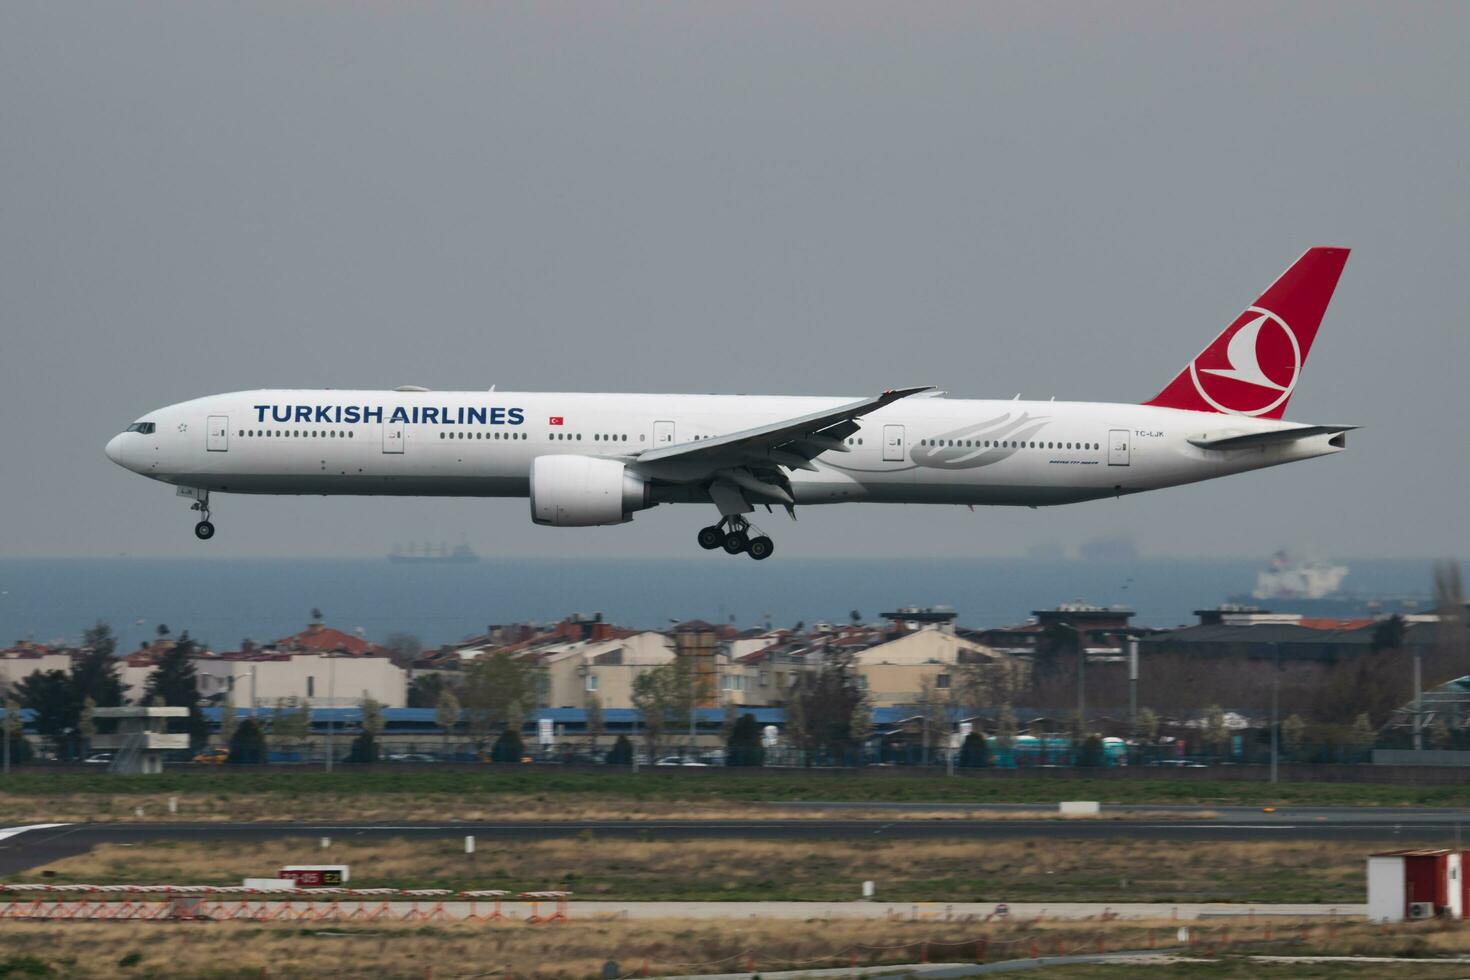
{"points": [[581, 491]]}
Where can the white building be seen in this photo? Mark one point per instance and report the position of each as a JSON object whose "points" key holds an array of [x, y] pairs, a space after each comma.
{"points": [[319, 680], [20, 663]]}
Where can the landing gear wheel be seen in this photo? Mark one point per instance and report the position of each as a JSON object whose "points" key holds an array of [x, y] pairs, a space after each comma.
{"points": [[736, 542], [204, 530], [760, 548], [711, 537]]}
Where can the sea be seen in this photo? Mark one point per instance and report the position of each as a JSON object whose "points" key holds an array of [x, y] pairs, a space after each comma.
{"points": [[224, 601]]}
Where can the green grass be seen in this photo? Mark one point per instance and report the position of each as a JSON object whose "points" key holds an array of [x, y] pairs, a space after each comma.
{"points": [[711, 786], [1240, 968]]}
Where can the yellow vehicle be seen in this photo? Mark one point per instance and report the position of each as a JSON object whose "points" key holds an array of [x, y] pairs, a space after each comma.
{"points": [[213, 756]]}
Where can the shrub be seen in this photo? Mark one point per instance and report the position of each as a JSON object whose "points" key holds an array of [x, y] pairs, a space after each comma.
{"points": [[507, 747], [744, 747], [621, 754], [247, 745], [974, 752], [364, 749]]}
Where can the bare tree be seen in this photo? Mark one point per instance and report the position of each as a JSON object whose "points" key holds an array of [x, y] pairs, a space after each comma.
{"points": [[595, 720], [1215, 731], [1293, 734], [372, 716], [1147, 726], [1006, 727], [446, 714]]}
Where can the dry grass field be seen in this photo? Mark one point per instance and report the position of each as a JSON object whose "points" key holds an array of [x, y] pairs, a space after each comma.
{"points": [[579, 949], [745, 870]]}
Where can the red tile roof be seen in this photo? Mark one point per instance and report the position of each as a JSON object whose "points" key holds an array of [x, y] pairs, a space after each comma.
{"points": [[317, 638]]}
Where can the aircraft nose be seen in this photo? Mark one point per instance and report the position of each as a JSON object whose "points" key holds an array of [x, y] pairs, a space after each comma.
{"points": [[114, 449]]}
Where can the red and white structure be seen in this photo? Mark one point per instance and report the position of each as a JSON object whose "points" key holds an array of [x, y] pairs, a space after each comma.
{"points": [[1417, 884]]}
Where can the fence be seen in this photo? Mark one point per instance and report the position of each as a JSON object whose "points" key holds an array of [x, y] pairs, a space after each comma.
{"points": [[221, 904]]}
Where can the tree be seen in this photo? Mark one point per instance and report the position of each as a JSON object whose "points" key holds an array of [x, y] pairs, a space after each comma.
{"points": [[364, 749], [974, 752], [1147, 726], [86, 721], [595, 720], [1293, 734], [492, 684], [403, 649], [1363, 733], [371, 714], [507, 747], [825, 701], [247, 747], [176, 682], [290, 722], [13, 731], [227, 722], [424, 690], [730, 716], [1214, 730], [1006, 728], [860, 727], [1440, 736], [934, 716], [621, 754], [744, 746], [446, 714], [52, 697], [1090, 754], [95, 674], [664, 697]]}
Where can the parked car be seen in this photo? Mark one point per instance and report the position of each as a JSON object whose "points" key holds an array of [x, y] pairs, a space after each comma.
{"points": [[411, 757], [678, 760], [99, 759], [215, 756]]}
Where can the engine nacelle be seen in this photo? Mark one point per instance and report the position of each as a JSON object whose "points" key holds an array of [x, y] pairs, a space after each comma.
{"points": [[581, 491]]}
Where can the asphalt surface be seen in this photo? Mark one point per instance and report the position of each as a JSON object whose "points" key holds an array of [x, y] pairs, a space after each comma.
{"points": [[24, 849]]}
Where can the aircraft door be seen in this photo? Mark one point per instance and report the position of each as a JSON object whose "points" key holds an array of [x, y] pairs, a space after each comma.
{"points": [[217, 434], [1118, 447], [893, 444], [392, 437], [663, 434]]}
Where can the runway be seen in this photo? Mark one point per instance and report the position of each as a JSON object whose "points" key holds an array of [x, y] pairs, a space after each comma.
{"points": [[30, 847]]}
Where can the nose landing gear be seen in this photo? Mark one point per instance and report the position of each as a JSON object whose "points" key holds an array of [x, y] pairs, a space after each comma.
{"points": [[736, 540], [204, 530]]}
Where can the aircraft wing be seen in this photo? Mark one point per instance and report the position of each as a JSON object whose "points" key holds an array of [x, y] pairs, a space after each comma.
{"points": [[752, 460], [1272, 437]]}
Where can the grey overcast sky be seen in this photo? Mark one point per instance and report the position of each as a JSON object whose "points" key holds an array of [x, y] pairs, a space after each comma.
{"points": [[832, 198]]}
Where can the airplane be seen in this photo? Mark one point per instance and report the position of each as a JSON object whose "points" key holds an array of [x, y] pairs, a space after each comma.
{"points": [[587, 459]]}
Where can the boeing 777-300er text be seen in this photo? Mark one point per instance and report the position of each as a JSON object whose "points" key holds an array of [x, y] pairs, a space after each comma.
{"points": [[588, 459]]}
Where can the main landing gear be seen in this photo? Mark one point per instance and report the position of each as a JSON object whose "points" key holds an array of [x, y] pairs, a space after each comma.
{"points": [[733, 534]]}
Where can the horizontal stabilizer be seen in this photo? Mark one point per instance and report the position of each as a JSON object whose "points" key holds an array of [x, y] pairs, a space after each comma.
{"points": [[1235, 439]]}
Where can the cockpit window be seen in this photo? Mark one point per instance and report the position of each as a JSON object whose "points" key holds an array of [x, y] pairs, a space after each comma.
{"points": [[144, 427]]}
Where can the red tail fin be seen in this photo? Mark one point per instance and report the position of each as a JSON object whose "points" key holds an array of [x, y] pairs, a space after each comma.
{"points": [[1253, 367]]}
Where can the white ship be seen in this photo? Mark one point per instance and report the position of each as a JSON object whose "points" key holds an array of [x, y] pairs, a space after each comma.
{"points": [[1290, 577]]}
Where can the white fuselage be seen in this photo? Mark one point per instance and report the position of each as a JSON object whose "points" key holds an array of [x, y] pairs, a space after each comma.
{"points": [[932, 450]]}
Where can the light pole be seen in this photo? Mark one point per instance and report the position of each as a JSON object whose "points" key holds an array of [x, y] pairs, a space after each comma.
{"points": [[331, 704], [1275, 712], [1418, 702], [5, 731]]}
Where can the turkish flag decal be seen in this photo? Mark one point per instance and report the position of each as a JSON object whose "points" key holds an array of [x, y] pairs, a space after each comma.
{"points": [[556, 420]]}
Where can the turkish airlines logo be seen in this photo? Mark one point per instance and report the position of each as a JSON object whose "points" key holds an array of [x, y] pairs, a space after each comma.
{"points": [[1257, 370]]}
